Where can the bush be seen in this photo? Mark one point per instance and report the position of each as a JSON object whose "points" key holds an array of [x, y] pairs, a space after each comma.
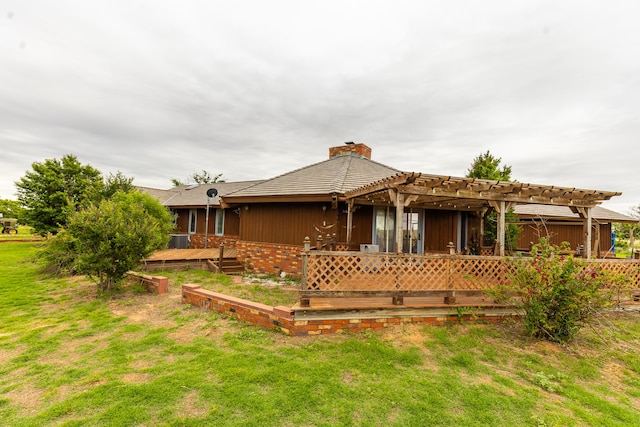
{"points": [[114, 236], [557, 294], [58, 256]]}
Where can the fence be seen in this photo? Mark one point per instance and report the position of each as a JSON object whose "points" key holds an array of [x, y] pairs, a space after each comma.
{"points": [[331, 274]]}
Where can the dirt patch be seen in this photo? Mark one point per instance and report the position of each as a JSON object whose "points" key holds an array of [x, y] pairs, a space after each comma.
{"points": [[27, 397], [136, 378], [191, 406]]}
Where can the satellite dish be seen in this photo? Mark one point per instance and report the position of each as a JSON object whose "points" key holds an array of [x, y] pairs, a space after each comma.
{"points": [[212, 192]]}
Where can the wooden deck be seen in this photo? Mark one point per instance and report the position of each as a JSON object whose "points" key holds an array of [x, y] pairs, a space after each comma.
{"points": [[191, 254], [187, 258]]}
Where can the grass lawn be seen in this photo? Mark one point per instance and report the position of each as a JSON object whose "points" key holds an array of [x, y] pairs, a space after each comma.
{"points": [[68, 358]]}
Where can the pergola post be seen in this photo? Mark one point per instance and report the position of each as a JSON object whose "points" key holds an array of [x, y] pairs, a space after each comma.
{"points": [[399, 214], [349, 222], [501, 226], [587, 224]]}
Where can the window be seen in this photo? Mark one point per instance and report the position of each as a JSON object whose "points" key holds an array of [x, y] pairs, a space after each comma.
{"points": [[219, 222], [193, 220]]}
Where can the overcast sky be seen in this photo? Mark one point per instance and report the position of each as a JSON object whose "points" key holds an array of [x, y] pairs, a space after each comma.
{"points": [[253, 89]]}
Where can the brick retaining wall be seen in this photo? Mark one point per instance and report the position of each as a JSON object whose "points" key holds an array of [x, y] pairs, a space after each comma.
{"points": [[154, 284], [284, 318]]}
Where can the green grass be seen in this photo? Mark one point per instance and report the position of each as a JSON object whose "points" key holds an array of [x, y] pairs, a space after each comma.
{"points": [[69, 358]]}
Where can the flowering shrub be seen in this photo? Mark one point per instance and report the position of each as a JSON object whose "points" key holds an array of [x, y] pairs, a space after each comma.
{"points": [[556, 293]]}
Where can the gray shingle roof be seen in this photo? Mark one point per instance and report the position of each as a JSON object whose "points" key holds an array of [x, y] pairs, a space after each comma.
{"points": [[195, 195], [564, 212], [334, 176]]}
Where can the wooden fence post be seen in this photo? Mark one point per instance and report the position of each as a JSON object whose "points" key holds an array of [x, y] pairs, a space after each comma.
{"points": [[451, 298], [221, 257], [304, 302]]}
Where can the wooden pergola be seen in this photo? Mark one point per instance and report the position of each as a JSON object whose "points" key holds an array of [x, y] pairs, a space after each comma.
{"points": [[473, 195]]}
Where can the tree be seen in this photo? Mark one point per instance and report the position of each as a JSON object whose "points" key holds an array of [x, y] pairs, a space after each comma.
{"points": [[203, 177], [54, 189], [11, 209], [626, 231], [112, 237], [486, 166], [114, 183]]}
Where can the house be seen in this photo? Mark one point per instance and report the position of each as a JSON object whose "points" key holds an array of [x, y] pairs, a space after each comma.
{"points": [[357, 203]]}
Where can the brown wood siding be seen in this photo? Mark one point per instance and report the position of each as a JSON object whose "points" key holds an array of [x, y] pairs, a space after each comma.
{"points": [[440, 229], [182, 222], [558, 233], [362, 232], [290, 223], [231, 222]]}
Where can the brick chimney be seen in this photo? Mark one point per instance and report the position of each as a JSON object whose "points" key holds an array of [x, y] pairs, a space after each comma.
{"points": [[350, 149]]}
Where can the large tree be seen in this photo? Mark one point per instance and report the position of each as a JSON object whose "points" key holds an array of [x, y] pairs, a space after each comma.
{"points": [[487, 166], [54, 189], [204, 177], [11, 209], [626, 232]]}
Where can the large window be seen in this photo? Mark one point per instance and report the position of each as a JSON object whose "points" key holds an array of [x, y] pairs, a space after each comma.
{"points": [[193, 220], [219, 222]]}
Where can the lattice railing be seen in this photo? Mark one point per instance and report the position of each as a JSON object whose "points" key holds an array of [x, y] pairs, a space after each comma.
{"points": [[361, 271]]}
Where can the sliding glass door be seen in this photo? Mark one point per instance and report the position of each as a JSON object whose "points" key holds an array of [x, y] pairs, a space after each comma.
{"points": [[384, 233]]}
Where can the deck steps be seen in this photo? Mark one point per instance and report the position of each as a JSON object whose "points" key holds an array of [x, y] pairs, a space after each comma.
{"points": [[229, 266]]}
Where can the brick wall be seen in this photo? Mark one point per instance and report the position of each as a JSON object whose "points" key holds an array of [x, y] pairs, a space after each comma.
{"points": [[280, 318], [284, 318], [154, 284], [270, 258], [197, 241]]}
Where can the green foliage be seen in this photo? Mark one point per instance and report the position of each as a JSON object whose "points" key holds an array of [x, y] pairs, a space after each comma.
{"points": [[53, 190], [203, 177], [58, 256], [486, 166], [558, 294], [114, 183], [112, 237], [512, 231], [11, 209]]}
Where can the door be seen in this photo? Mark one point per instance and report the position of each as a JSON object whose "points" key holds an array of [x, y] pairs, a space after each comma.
{"points": [[413, 231]]}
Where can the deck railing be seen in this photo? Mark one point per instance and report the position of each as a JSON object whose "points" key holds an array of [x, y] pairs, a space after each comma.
{"points": [[347, 274]]}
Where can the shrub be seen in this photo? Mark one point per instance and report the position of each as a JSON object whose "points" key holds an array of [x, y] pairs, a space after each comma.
{"points": [[556, 293]]}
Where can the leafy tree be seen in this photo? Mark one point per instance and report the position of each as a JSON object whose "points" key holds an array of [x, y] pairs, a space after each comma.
{"points": [[112, 237], [54, 189], [11, 209], [203, 177], [626, 233], [487, 166], [114, 183]]}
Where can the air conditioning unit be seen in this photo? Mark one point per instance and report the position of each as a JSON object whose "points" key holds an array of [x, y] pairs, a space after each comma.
{"points": [[369, 248], [179, 241]]}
